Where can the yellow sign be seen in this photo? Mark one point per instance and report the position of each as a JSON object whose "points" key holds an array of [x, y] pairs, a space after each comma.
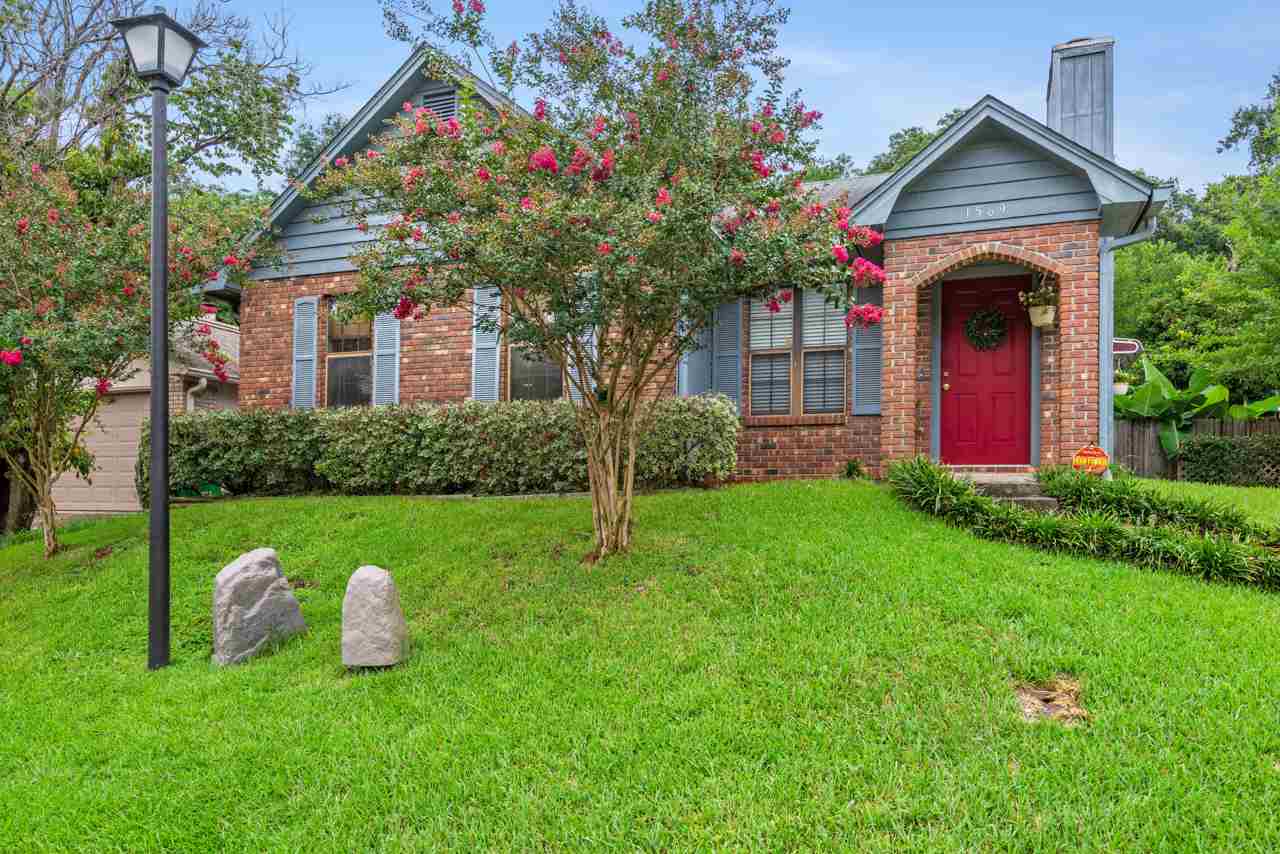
{"points": [[1091, 459]]}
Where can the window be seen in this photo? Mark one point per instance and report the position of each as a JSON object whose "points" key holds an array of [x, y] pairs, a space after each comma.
{"points": [[350, 363], [534, 377], [806, 339]]}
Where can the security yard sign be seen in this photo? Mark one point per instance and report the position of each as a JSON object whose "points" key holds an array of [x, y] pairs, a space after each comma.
{"points": [[1091, 459]]}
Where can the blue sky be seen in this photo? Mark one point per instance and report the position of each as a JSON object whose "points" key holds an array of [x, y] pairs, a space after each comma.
{"points": [[1181, 69]]}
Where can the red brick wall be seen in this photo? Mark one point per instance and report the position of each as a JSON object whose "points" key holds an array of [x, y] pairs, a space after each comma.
{"points": [[804, 450], [435, 352], [1069, 352]]}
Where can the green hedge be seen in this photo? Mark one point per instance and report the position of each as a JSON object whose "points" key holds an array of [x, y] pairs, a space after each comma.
{"points": [[1100, 534], [475, 448], [1134, 502], [1237, 460]]}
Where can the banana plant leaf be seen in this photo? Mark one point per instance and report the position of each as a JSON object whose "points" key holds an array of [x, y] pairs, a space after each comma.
{"points": [[1171, 438], [1255, 410]]}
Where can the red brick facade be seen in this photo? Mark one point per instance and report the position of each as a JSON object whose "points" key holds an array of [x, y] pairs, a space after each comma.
{"points": [[436, 354], [1068, 416]]}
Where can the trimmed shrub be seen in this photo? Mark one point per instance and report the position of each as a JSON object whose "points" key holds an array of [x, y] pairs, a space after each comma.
{"points": [[245, 451], [1094, 533], [1136, 503], [478, 448], [1236, 460]]}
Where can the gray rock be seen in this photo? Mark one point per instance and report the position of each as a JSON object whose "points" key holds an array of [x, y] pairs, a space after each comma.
{"points": [[253, 607], [374, 633]]}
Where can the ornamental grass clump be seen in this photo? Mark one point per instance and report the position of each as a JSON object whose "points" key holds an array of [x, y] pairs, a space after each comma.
{"points": [[650, 184], [1098, 533]]}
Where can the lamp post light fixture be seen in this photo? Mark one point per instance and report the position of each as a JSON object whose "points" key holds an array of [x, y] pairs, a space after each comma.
{"points": [[161, 51]]}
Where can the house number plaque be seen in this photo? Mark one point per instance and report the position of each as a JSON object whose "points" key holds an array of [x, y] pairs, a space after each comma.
{"points": [[986, 211]]}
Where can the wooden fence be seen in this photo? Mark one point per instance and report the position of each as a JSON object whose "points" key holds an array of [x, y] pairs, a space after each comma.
{"points": [[1138, 442]]}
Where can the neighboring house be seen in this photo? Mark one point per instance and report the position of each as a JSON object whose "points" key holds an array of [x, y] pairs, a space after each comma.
{"points": [[997, 199], [114, 439]]}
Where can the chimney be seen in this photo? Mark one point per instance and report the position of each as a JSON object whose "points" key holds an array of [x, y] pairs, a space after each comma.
{"points": [[1081, 96]]}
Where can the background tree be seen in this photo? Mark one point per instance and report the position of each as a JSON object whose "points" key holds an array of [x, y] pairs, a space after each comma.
{"points": [[649, 186], [309, 139], [908, 142], [65, 82], [75, 308], [1206, 293]]}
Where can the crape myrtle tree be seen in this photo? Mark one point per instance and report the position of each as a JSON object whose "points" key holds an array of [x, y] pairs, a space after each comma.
{"points": [[75, 303], [647, 185]]}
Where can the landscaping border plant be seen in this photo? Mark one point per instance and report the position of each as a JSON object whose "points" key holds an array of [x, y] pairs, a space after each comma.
{"points": [[508, 448], [1234, 460], [1136, 503], [1098, 534]]}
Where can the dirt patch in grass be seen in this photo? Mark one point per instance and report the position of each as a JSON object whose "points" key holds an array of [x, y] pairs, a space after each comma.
{"points": [[1056, 699]]}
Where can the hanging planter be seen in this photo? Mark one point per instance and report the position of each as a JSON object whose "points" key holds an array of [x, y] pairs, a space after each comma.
{"points": [[1041, 302], [1042, 316]]}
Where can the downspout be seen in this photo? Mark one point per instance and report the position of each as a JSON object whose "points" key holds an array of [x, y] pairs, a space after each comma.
{"points": [[196, 389], [1107, 321]]}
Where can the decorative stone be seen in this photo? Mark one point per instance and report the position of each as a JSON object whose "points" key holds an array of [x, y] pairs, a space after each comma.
{"points": [[253, 607], [374, 633]]}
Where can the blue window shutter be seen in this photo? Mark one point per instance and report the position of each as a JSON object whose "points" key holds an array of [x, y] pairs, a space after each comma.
{"points": [[727, 364], [304, 352], [484, 357], [868, 359], [589, 343], [695, 366], [386, 360]]}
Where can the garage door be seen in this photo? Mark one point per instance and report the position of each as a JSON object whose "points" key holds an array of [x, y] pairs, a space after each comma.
{"points": [[115, 448]]}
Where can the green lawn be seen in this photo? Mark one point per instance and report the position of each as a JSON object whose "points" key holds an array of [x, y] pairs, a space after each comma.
{"points": [[783, 666], [1260, 501]]}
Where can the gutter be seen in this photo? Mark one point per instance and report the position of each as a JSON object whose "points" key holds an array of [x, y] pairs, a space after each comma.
{"points": [[196, 389], [1107, 311]]}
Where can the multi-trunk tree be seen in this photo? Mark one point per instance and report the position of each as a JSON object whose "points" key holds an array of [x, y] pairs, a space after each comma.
{"points": [[647, 186], [75, 305]]}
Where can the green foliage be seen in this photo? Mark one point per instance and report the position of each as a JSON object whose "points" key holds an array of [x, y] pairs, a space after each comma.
{"points": [[1099, 533], [1257, 127], [309, 139], [908, 142], [1236, 460], [854, 469], [1157, 399], [1136, 503], [475, 448]]}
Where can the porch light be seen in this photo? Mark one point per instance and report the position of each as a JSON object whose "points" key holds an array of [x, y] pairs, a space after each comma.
{"points": [[160, 48]]}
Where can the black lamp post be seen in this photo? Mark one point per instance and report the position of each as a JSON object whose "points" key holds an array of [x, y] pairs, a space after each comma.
{"points": [[161, 51]]}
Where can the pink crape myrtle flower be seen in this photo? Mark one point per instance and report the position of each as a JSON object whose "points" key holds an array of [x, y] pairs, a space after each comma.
{"points": [[12, 358], [24, 225], [867, 271], [544, 160], [737, 258], [526, 203], [840, 253], [540, 109], [477, 6], [864, 316], [654, 217], [664, 197], [604, 248], [102, 386]]}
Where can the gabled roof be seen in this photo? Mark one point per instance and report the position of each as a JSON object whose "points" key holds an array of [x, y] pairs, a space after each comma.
{"points": [[1129, 197], [368, 120]]}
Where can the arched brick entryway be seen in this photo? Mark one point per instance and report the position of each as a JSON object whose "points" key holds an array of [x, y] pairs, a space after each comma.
{"points": [[1068, 252]]}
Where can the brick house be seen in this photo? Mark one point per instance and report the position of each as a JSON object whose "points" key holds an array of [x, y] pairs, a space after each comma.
{"points": [[997, 202]]}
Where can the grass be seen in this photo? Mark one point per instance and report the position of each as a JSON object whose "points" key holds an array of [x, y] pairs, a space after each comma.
{"points": [[781, 666], [1260, 501]]}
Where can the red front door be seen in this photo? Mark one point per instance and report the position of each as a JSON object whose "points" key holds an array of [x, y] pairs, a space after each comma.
{"points": [[986, 394]]}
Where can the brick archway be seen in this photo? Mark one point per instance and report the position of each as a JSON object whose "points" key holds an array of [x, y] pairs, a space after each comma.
{"points": [[977, 253]]}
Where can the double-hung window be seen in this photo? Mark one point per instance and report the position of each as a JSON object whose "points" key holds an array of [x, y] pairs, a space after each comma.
{"points": [[534, 376], [350, 363], [798, 357]]}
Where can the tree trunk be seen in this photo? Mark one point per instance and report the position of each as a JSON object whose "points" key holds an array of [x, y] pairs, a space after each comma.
{"points": [[21, 509], [611, 457], [49, 524]]}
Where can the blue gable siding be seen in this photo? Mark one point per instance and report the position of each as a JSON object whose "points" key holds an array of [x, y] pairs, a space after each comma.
{"points": [[990, 182], [319, 239]]}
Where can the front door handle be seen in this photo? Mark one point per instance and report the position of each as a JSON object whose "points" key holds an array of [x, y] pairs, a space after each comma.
{"points": [[946, 386]]}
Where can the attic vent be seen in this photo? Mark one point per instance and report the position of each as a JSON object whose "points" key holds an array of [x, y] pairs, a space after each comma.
{"points": [[444, 103]]}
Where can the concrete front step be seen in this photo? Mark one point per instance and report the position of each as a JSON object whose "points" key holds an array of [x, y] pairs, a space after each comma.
{"points": [[1038, 503], [1005, 485]]}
